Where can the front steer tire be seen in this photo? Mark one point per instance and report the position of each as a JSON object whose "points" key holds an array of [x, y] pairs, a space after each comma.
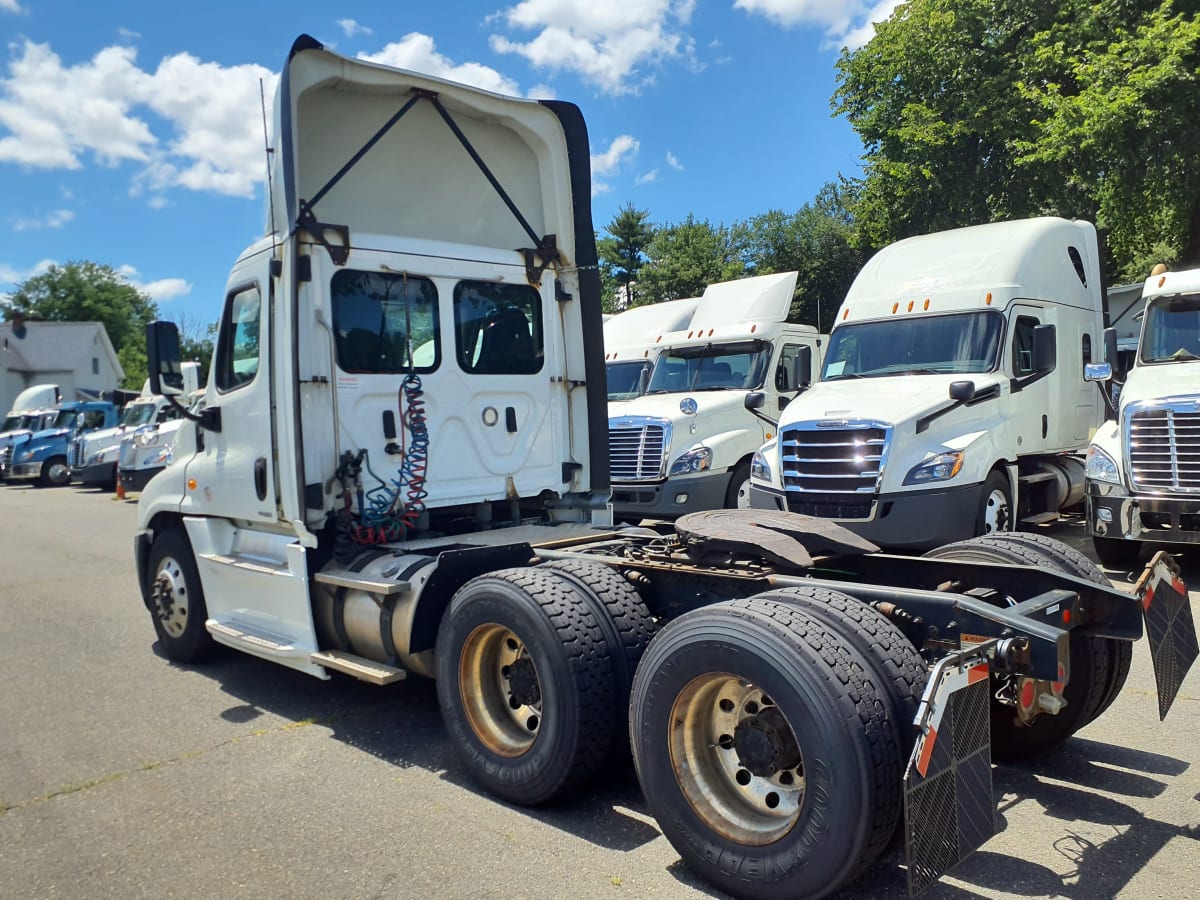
{"points": [[176, 598], [525, 684], [763, 747]]}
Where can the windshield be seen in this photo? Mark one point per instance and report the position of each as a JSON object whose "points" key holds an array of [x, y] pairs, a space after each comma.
{"points": [[1171, 332], [928, 345], [66, 418], [720, 367], [138, 414], [12, 423], [623, 378]]}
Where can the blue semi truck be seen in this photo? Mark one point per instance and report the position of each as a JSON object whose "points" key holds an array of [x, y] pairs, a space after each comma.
{"points": [[42, 456]]}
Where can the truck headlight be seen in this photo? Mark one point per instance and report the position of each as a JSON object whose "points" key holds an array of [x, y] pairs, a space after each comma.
{"points": [[760, 469], [693, 461], [942, 467], [1102, 467]]}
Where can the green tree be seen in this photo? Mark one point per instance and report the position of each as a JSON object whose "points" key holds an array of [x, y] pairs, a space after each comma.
{"points": [[196, 342], [92, 292], [977, 110], [622, 252], [818, 242], [686, 258]]}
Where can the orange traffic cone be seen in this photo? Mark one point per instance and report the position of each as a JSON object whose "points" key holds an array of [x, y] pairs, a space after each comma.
{"points": [[120, 488]]}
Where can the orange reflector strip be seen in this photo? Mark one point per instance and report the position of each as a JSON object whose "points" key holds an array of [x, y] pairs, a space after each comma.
{"points": [[926, 752], [977, 673]]}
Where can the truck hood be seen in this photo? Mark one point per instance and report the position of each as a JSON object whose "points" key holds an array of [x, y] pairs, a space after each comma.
{"points": [[890, 399], [51, 434], [709, 404], [1179, 379]]}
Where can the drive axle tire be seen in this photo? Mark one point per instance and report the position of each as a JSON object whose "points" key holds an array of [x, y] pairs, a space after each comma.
{"points": [[176, 598], [626, 623], [763, 746], [1071, 561], [1116, 553], [1087, 685], [525, 684]]}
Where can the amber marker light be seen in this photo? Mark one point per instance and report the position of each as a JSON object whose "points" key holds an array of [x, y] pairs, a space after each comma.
{"points": [[988, 299], [845, 313], [191, 484], [895, 306], [910, 305], [927, 303]]}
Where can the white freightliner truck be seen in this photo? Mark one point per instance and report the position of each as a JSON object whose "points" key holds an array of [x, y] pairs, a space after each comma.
{"points": [[716, 388], [633, 339], [1143, 465], [94, 454], [340, 506], [952, 401]]}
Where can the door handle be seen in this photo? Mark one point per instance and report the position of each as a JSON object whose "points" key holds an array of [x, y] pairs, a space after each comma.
{"points": [[260, 477]]}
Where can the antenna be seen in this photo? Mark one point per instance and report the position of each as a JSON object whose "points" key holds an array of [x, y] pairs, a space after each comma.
{"points": [[268, 149]]}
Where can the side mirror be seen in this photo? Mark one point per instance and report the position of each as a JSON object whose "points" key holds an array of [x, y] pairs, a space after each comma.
{"points": [[164, 358], [802, 367], [1045, 348], [1101, 371], [755, 400], [1111, 354], [962, 391]]}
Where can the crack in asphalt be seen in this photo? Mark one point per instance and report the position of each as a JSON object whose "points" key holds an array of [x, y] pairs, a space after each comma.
{"points": [[68, 790]]}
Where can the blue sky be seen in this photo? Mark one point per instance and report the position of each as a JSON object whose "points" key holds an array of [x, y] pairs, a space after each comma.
{"points": [[131, 133]]}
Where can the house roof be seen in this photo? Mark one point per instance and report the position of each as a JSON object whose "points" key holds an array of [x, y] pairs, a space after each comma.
{"points": [[54, 347]]}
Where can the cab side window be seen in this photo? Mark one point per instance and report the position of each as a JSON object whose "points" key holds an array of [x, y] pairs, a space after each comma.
{"points": [[498, 328], [237, 343], [1022, 348], [784, 370]]}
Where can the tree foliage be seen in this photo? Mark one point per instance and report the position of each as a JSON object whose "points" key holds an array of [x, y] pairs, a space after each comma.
{"points": [[687, 257], [622, 253], [818, 241], [977, 110], [92, 292]]}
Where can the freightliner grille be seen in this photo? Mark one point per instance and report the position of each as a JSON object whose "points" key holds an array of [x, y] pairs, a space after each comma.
{"points": [[77, 454], [833, 470], [1163, 447], [127, 454], [636, 449], [6, 458]]}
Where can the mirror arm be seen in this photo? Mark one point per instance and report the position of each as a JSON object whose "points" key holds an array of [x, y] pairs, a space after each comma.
{"points": [[209, 418]]}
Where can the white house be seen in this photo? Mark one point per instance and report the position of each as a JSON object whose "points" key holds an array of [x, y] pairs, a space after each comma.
{"points": [[77, 356]]}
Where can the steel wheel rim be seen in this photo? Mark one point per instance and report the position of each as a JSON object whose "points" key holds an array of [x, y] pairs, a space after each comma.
{"points": [[58, 472], [500, 690], [995, 512], [716, 720], [743, 495], [170, 597]]}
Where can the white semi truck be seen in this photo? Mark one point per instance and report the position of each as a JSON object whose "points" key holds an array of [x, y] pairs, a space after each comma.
{"points": [[343, 506], [633, 339], [1143, 465], [952, 401], [712, 397]]}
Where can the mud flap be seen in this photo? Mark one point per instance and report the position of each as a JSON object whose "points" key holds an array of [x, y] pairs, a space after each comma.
{"points": [[1170, 628], [949, 810]]}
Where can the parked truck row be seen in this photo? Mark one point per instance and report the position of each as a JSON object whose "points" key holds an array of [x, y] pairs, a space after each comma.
{"points": [[404, 464]]}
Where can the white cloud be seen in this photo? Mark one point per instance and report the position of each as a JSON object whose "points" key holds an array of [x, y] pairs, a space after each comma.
{"points": [[417, 52], [11, 6], [673, 162], [129, 34], [846, 23], [12, 275], [541, 92], [611, 45], [57, 115], [162, 289], [606, 163], [350, 28], [56, 218], [647, 177]]}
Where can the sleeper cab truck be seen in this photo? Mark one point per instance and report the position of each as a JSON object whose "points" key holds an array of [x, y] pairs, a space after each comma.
{"points": [[345, 504], [952, 401]]}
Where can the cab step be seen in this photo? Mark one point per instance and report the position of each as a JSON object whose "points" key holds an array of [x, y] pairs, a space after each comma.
{"points": [[247, 563], [249, 637], [345, 579], [363, 669], [1040, 518]]}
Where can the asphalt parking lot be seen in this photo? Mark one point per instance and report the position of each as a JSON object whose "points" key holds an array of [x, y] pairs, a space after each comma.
{"points": [[124, 775]]}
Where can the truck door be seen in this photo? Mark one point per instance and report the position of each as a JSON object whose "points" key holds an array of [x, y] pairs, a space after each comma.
{"points": [[234, 467], [1031, 396]]}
